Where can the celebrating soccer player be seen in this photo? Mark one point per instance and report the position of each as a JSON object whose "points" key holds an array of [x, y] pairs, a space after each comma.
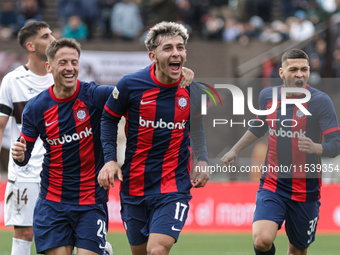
{"points": [[294, 143], [155, 188]]}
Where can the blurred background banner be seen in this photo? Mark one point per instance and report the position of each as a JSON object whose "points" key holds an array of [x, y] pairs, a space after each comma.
{"points": [[222, 207]]}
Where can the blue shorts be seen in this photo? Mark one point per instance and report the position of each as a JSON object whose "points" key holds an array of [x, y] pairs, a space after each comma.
{"points": [[56, 224], [301, 217], [159, 213]]}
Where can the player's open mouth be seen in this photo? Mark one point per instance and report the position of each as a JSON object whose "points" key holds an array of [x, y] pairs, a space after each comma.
{"points": [[175, 66], [299, 84]]}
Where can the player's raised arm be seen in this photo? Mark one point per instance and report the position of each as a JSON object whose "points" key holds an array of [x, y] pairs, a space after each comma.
{"points": [[247, 139]]}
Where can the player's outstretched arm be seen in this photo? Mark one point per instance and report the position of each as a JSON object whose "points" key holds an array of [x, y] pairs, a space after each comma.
{"points": [[107, 174], [200, 176], [18, 150], [247, 139], [187, 77]]}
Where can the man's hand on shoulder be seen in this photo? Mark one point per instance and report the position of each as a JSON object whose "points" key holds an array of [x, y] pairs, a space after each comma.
{"points": [[187, 77]]}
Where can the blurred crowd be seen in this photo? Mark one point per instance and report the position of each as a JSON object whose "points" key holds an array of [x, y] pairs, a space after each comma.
{"points": [[225, 20], [239, 21]]}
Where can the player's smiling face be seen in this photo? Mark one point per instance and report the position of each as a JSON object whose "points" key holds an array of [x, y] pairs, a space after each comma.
{"points": [[65, 68], [169, 58], [295, 73]]}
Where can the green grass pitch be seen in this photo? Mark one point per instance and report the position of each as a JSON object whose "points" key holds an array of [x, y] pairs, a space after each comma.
{"points": [[200, 244]]}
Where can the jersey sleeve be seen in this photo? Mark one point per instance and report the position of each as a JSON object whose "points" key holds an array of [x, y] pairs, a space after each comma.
{"points": [[115, 107], [101, 94], [6, 103], [197, 134], [29, 131], [256, 126], [329, 126]]}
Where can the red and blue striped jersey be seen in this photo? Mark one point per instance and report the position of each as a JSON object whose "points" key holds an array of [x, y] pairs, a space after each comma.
{"points": [[294, 176], [70, 131], [157, 130]]}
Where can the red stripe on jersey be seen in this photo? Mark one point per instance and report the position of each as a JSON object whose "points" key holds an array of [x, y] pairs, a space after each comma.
{"points": [[330, 130], [28, 139], [111, 112], [270, 181], [170, 161], [56, 167], [86, 153], [298, 158], [147, 115]]}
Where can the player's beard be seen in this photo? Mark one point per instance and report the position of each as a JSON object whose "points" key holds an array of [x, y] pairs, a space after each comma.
{"points": [[42, 56]]}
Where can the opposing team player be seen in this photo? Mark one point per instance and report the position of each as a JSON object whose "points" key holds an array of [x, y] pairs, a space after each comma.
{"points": [[295, 144], [17, 88], [155, 188]]}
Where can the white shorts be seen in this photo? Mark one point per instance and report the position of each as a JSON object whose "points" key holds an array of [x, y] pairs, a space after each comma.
{"points": [[20, 198]]}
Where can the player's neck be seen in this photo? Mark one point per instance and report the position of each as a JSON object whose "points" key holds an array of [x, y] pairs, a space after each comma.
{"points": [[37, 66], [62, 92]]}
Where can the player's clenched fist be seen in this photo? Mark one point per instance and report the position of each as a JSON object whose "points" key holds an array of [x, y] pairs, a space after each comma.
{"points": [[229, 158], [18, 150], [107, 174], [306, 145]]}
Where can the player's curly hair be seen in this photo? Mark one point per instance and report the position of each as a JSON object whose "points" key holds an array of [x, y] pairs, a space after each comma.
{"points": [[61, 43], [157, 32]]}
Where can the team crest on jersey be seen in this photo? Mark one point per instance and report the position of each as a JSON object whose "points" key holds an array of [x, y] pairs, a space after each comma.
{"points": [[115, 93], [81, 114], [299, 114], [182, 102]]}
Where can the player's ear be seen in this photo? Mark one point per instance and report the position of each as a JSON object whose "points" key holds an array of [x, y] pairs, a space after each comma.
{"points": [[281, 73], [48, 67], [152, 56], [30, 46]]}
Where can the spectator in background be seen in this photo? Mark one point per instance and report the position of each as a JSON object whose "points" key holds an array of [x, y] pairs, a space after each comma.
{"points": [[28, 11], [302, 28], [67, 8], [75, 29], [315, 12], [90, 14], [212, 26], [126, 21], [106, 10], [8, 20], [163, 10]]}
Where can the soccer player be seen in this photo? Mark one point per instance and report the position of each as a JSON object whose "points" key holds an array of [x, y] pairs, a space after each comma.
{"points": [[155, 188], [294, 143], [71, 207], [16, 89]]}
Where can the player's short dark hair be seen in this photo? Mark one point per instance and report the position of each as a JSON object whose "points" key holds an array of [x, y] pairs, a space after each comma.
{"points": [[61, 43], [29, 30], [164, 28], [293, 54]]}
